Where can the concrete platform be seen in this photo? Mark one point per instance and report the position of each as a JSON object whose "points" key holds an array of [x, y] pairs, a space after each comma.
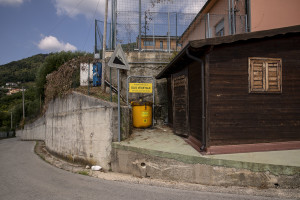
{"points": [[151, 151]]}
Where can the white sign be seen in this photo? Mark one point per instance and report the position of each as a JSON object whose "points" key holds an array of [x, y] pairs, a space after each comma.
{"points": [[118, 59]]}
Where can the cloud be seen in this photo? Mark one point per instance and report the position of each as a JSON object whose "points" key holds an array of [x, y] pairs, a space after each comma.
{"points": [[52, 44], [11, 2], [72, 8]]}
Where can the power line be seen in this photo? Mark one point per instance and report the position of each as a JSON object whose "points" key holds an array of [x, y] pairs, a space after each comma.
{"points": [[87, 37]]}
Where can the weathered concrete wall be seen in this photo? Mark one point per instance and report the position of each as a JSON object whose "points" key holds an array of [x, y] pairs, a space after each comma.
{"points": [[160, 167], [144, 64], [79, 127], [34, 131]]}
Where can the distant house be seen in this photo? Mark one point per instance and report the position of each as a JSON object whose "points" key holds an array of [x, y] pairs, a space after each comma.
{"points": [[227, 17], [11, 84], [13, 91], [237, 93], [159, 43]]}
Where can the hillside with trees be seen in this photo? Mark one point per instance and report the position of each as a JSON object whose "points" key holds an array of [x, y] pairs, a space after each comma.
{"points": [[21, 71], [32, 73]]}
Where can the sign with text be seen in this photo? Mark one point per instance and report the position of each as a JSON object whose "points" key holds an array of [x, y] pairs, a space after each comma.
{"points": [[140, 87]]}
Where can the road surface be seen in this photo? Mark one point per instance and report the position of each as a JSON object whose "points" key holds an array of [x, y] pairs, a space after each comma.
{"points": [[23, 175]]}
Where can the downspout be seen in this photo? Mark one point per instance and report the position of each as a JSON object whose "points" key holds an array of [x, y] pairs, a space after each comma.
{"points": [[229, 18], [202, 148], [249, 14]]}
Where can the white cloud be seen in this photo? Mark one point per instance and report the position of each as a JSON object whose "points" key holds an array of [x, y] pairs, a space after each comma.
{"points": [[11, 2], [72, 8], [52, 44]]}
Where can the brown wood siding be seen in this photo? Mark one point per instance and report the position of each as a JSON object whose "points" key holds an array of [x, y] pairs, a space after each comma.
{"points": [[170, 110], [195, 100], [237, 116], [180, 102]]}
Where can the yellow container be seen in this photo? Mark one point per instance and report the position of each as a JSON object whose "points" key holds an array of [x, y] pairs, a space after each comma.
{"points": [[141, 114]]}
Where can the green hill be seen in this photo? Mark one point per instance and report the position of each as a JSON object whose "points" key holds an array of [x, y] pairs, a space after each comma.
{"points": [[22, 70]]}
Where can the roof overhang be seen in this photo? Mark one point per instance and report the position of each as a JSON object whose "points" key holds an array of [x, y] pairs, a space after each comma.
{"points": [[199, 47]]}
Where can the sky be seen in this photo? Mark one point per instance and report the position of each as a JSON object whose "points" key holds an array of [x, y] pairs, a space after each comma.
{"points": [[30, 27]]}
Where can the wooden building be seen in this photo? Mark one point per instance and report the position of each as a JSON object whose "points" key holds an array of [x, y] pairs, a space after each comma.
{"points": [[237, 93]]}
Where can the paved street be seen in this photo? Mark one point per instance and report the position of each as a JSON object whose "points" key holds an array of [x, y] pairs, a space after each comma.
{"points": [[23, 175]]}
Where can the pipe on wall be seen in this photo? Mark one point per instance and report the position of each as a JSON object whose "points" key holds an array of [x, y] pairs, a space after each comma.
{"points": [[202, 148], [229, 17]]}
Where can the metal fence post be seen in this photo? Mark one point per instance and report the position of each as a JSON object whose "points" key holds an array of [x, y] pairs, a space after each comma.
{"points": [[119, 109], [176, 32], [169, 32], [153, 37], [140, 25]]}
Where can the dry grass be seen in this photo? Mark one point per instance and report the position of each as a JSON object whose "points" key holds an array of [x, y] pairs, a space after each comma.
{"points": [[98, 93]]}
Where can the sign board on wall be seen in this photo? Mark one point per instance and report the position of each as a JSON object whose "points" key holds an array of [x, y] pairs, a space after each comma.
{"points": [[140, 87]]}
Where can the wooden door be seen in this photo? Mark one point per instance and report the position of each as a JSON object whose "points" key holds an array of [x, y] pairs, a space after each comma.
{"points": [[180, 103]]}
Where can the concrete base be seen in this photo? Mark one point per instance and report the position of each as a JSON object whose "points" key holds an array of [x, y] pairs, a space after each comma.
{"points": [[158, 153], [160, 167]]}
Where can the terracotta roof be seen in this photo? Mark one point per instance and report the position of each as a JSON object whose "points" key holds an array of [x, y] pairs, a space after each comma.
{"points": [[197, 45]]}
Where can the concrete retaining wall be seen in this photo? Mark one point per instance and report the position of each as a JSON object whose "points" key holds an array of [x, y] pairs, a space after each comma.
{"points": [[80, 128], [204, 172], [34, 131]]}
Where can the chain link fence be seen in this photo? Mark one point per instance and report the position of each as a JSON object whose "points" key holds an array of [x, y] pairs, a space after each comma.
{"points": [[157, 25]]}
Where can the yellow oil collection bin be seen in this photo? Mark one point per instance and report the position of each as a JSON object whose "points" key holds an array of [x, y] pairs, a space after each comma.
{"points": [[141, 114]]}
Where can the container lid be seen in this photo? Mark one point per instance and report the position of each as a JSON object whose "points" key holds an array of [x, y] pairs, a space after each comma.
{"points": [[141, 103]]}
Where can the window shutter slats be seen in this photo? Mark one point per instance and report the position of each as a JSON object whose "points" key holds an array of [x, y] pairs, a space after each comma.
{"points": [[274, 76], [265, 75], [257, 81]]}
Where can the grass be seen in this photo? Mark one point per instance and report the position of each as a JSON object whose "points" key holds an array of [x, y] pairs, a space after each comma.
{"points": [[85, 173], [97, 92]]}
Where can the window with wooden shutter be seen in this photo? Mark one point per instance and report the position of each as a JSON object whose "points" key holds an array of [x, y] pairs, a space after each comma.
{"points": [[265, 75]]}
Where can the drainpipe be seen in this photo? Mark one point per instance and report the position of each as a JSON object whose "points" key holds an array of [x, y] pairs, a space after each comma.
{"points": [[202, 148], [233, 17], [229, 18]]}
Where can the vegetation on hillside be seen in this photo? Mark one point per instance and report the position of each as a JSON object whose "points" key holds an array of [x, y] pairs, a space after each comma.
{"points": [[65, 78], [21, 71], [52, 63], [38, 69]]}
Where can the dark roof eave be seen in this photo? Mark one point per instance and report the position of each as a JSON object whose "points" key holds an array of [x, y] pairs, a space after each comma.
{"points": [[199, 44], [245, 36]]}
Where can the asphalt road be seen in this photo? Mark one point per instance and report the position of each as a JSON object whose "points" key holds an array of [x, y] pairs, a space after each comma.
{"points": [[23, 175]]}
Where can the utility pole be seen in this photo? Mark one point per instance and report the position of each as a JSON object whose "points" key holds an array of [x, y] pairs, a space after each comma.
{"points": [[104, 48], [95, 50], [11, 123], [89, 78], [23, 103]]}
